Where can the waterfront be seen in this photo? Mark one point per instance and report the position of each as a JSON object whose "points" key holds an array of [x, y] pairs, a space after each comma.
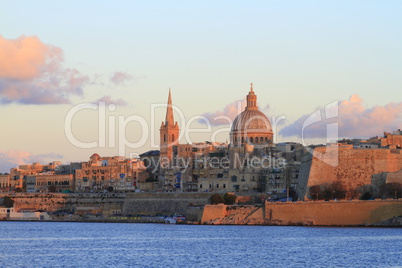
{"points": [[58, 244]]}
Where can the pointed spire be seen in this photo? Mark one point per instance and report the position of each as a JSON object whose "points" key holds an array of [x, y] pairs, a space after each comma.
{"points": [[169, 121], [251, 86]]}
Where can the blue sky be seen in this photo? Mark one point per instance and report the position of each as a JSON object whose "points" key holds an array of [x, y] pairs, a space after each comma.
{"points": [[300, 55]]}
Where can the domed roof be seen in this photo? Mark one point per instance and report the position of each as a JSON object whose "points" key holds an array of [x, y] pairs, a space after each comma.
{"points": [[95, 156], [251, 120]]}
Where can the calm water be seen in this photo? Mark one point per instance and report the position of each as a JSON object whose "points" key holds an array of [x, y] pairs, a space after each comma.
{"points": [[43, 244]]}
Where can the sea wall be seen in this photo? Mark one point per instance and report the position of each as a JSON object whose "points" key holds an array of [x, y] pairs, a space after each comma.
{"points": [[75, 203], [336, 213], [162, 203], [237, 215], [333, 213]]}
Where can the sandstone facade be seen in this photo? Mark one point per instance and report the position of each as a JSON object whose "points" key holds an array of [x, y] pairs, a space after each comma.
{"points": [[353, 167]]}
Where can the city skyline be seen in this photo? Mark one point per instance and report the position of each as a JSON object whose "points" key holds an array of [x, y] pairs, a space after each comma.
{"points": [[208, 56]]}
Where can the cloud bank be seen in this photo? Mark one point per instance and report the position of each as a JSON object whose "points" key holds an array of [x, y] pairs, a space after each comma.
{"points": [[119, 78], [32, 72], [108, 100], [354, 120], [227, 115], [11, 159]]}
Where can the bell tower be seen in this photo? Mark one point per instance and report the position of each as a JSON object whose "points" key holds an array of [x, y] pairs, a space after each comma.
{"points": [[169, 134]]}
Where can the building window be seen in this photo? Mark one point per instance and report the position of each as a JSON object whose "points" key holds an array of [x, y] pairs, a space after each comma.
{"points": [[224, 186], [200, 186], [217, 185]]}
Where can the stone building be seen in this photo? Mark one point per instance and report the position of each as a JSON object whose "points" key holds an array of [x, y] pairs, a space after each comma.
{"points": [[352, 167], [248, 163], [251, 126], [169, 135], [43, 182], [392, 140], [99, 173], [5, 182], [19, 175]]}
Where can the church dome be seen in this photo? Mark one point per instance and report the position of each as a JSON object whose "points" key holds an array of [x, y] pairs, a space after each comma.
{"points": [[251, 126], [252, 120]]}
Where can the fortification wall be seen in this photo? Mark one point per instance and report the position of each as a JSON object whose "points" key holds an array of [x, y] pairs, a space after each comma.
{"points": [[162, 203], [335, 213], [45, 202], [237, 215], [52, 202], [354, 167]]}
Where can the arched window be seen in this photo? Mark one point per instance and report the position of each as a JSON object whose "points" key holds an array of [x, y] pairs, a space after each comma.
{"points": [[261, 139], [172, 137], [251, 139], [242, 139], [164, 137]]}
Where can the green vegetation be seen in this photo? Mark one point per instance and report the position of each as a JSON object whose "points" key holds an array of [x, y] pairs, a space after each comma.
{"points": [[110, 189], [8, 202], [227, 199], [335, 190], [216, 199], [366, 196], [365, 192]]}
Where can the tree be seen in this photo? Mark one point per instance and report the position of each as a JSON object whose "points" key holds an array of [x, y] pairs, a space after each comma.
{"points": [[338, 190], [315, 191], [366, 196], [110, 189], [216, 199], [368, 191], [229, 199], [52, 189], [352, 193], [293, 194], [8, 202]]}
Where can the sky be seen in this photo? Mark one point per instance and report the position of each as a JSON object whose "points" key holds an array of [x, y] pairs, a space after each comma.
{"points": [[84, 77]]}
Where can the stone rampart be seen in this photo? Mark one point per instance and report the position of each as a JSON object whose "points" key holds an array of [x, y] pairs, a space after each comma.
{"points": [[162, 203], [335, 213], [353, 167], [330, 213], [237, 215]]}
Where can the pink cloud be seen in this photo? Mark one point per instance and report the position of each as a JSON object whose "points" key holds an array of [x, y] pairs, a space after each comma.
{"points": [[227, 115], [32, 72], [354, 120], [11, 159], [119, 78], [109, 100]]}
